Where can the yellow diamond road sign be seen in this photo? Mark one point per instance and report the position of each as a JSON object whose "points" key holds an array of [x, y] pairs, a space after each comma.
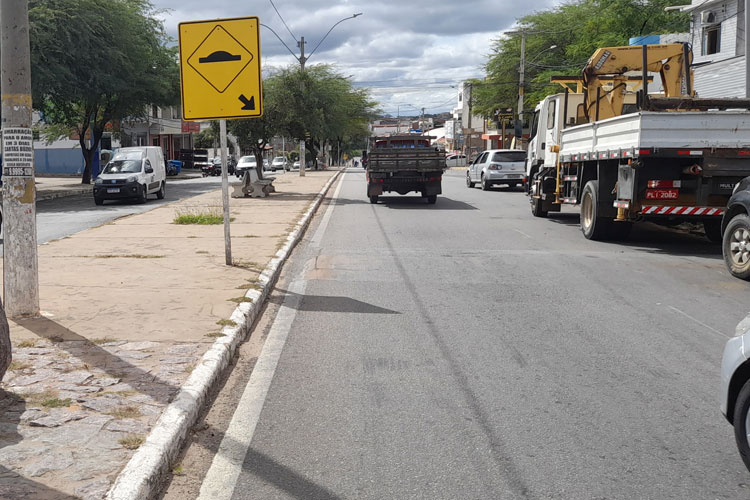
{"points": [[220, 69]]}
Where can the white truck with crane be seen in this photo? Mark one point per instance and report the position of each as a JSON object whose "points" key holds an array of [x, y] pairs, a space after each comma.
{"points": [[626, 155]]}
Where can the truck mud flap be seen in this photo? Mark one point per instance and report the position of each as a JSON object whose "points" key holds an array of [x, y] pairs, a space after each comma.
{"points": [[374, 190], [433, 188]]}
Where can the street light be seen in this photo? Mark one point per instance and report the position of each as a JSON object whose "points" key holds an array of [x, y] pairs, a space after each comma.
{"points": [[302, 60]]}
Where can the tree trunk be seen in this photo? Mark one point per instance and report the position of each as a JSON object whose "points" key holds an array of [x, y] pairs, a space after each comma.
{"points": [[88, 158], [5, 347]]}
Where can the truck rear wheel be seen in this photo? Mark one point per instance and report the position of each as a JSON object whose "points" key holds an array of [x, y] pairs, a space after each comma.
{"points": [[374, 199], [432, 199], [593, 226], [736, 246]]}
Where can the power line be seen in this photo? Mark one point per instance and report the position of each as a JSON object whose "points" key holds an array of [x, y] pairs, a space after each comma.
{"points": [[282, 20]]}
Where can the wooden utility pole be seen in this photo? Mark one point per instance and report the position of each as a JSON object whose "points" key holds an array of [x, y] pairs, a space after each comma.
{"points": [[20, 263]]}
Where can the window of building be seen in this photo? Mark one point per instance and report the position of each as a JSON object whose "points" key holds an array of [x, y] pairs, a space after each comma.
{"points": [[711, 39], [154, 111]]}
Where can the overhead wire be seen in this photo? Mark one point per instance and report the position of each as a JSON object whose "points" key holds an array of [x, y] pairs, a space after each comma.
{"points": [[282, 20]]}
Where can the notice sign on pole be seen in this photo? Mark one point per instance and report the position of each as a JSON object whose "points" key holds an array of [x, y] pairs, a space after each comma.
{"points": [[18, 152], [220, 75]]}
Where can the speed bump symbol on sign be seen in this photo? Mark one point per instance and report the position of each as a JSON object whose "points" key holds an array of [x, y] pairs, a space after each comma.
{"points": [[220, 69]]}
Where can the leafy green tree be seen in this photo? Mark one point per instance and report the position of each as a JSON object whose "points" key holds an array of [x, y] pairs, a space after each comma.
{"points": [[329, 109], [576, 29], [95, 62]]}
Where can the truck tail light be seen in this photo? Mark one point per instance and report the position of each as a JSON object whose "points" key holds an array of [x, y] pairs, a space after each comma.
{"points": [[643, 152]]}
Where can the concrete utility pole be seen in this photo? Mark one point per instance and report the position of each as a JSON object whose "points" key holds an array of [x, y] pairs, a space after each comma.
{"points": [[302, 61], [20, 267], [520, 80], [747, 50]]}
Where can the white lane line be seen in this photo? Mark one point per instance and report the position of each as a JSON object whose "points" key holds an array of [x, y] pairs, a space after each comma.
{"points": [[521, 232], [318, 236], [225, 469], [226, 466], [700, 322]]}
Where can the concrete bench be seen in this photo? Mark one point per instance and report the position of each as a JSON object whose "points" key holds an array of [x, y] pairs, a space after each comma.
{"points": [[252, 186]]}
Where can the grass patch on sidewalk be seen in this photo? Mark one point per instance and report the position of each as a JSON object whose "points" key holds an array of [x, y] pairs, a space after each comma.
{"points": [[47, 399], [125, 412], [131, 442], [239, 300], [202, 216]]}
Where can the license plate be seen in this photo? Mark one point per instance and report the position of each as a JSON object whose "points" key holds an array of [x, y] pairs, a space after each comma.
{"points": [[113, 190], [662, 194]]}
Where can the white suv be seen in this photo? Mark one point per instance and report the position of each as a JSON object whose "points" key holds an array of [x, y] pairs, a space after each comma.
{"points": [[497, 166]]}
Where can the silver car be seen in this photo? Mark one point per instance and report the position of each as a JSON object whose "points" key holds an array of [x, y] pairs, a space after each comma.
{"points": [[497, 166], [735, 387]]}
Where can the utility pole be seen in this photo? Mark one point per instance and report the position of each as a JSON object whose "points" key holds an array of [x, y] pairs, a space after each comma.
{"points": [[520, 83], [20, 267], [747, 50], [302, 60]]}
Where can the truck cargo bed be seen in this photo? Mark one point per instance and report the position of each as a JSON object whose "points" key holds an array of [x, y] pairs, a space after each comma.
{"points": [[683, 129], [398, 159]]}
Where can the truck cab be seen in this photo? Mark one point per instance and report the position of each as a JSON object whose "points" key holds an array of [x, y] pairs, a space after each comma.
{"points": [[549, 118]]}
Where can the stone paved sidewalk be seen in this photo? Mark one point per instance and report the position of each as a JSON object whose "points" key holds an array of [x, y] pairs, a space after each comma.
{"points": [[128, 308]]}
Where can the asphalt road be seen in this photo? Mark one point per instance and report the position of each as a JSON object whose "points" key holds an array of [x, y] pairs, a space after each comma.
{"points": [[61, 217], [469, 350]]}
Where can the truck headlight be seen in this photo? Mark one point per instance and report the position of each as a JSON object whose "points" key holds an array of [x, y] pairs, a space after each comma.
{"points": [[132, 178]]}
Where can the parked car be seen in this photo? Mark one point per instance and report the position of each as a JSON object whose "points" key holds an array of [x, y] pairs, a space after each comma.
{"points": [[735, 230], [132, 173], [279, 163], [296, 165], [245, 163], [455, 160], [735, 387], [497, 166]]}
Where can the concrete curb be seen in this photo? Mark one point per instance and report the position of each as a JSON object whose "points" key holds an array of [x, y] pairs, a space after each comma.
{"points": [[141, 475], [63, 193]]}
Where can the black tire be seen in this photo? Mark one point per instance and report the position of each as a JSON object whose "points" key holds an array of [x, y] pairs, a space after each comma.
{"points": [[162, 191], [712, 228], [432, 199], [469, 182], [736, 246], [98, 201], [536, 208], [512, 185], [374, 199], [485, 184], [741, 407], [593, 226], [144, 195]]}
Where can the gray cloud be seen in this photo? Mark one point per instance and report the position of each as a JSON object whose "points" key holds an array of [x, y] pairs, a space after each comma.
{"points": [[408, 53]]}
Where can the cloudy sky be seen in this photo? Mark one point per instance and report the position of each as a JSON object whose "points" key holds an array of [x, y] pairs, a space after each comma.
{"points": [[411, 54]]}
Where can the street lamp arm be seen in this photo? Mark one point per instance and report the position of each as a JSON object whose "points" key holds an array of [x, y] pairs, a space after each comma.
{"points": [[329, 31], [282, 41]]}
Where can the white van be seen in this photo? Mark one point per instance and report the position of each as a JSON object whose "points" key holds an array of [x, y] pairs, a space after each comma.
{"points": [[132, 173]]}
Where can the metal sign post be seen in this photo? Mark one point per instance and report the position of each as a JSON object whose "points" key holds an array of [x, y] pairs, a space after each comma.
{"points": [[220, 79], [225, 191]]}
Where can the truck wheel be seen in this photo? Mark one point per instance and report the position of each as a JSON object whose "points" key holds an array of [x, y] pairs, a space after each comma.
{"points": [[469, 183], [712, 228], [485, 184], [536, 208], [98, 201], [162, 191], [432, 199], [144, 195], [741, 423], [374, 199], [736, 246], [593, 226]]}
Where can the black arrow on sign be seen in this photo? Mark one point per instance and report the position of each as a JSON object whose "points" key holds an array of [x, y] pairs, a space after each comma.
{"points": [[249, 104]]}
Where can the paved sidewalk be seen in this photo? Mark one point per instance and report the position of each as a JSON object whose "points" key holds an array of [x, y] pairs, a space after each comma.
{"points": [[128, 309]]}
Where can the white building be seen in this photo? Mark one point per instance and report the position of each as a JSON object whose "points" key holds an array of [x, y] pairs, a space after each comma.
{"points": [[717, 32]]}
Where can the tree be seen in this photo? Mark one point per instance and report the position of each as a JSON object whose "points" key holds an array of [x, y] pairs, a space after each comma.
{"points": [[95, 62], [577, 29], [328, 109]]}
